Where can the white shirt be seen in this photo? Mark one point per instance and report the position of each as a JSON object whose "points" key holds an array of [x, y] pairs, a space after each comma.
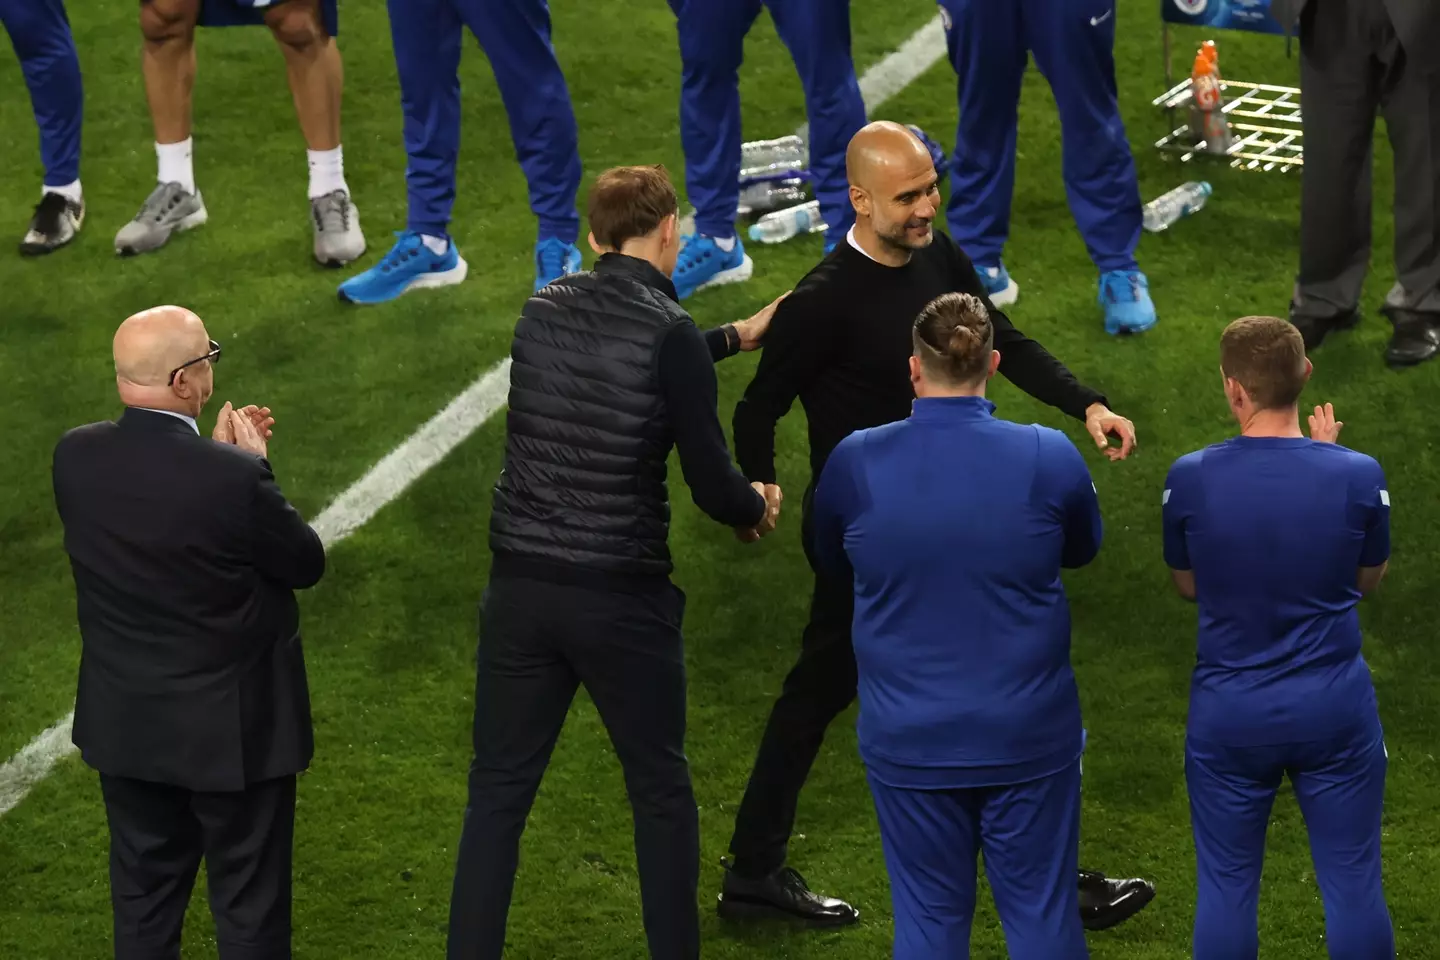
{"points": [[179, 416], [854, 243]]}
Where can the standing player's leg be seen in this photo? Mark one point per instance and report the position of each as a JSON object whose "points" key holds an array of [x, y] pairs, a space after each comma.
{"points": [[317, 78], [1231, 794], [167, 60], [986, 45], [515, 35], [1030, 833], [712, 42], [817, 34], [40, 33], [1341, 795], [1074, 46], [427, 36], [930, 839], [818, 688]]}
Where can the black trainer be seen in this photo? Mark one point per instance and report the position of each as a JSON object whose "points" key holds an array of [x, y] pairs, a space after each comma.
{"points": [[56, 221], [1105, 902], [781, 895]]}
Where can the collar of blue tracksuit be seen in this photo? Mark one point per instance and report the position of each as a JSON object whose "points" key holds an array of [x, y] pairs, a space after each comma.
{"points": [[642, 270], [952, 408]]}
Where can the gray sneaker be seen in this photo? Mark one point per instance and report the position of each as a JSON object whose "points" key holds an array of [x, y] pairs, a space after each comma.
{"points": [[168, 209], [338, 239]]}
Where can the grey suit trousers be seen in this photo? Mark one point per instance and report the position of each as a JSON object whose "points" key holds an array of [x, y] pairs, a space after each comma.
{"points": [[1352, 66]]}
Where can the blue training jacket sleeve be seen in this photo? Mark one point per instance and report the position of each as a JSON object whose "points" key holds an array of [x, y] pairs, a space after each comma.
{"points": [[834, 505], [1375, 499], [1080, 503], [1175, 508]]}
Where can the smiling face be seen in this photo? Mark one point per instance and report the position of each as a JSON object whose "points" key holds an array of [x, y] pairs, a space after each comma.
{"points": [[893, 186]]}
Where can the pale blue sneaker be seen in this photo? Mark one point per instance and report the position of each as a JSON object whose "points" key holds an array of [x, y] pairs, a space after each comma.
{"points": [[410, 265], [553, 260], [1125, 295], [702, 264], [1001, 290]]}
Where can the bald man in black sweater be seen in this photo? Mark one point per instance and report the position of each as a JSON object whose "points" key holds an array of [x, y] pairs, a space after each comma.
{"points": [[841, 343]]}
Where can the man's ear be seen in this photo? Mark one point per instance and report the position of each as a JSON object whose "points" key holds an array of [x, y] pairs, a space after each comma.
{"points": [[593, 244], [860, 201], [994, 364]]}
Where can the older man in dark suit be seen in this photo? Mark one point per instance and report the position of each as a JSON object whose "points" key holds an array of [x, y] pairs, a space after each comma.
{"points": [[1359, 58], [193, 703]]}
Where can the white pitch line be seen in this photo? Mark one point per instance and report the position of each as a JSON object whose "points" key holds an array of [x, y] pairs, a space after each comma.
{"points": [[885, 78], [385, 482], [428, 445]]}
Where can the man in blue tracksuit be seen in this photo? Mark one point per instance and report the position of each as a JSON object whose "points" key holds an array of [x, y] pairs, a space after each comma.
{"points": [[1073, 42], [515, 35], [954, 527], [40, 33], [1276, 537], [712, 39]]}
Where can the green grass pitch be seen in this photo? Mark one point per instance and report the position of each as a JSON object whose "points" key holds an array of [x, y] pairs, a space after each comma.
{"points": [[391, 631]]}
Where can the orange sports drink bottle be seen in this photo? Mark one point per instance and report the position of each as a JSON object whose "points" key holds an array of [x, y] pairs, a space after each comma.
{"points": [[1207, 114]]}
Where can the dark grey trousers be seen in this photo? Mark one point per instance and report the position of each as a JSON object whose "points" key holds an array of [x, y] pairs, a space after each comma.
{"points": [[1351, 68]]}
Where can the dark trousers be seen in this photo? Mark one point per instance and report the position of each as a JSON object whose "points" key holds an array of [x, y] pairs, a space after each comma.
{"points": [[158, 836], [1351, 68], [538, 643], [817, 690]]}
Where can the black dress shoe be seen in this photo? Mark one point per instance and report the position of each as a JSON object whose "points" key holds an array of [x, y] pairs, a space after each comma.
{"points": [[1315, 329], [783, 895], [1416, 337], [1105, 902]]}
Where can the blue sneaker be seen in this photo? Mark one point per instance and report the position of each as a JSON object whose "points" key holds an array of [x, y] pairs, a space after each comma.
{"points": [[998, 286], [410, 265], [702, 264], [1125, 295], [553, 260]]}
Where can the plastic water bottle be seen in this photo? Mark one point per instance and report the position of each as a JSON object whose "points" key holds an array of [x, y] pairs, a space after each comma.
{"points": [[781, 225], [781, 158], [1184, 200], [762, 196]]}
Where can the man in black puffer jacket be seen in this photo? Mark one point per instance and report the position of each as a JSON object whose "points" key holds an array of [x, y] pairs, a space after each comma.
{"points": [[607, 374]]}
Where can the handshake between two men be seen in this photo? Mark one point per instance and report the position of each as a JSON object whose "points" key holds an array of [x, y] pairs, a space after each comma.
{"points": [[771, 493]]}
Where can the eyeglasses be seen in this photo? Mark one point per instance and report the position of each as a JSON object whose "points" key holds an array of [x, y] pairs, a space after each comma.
{"points": [[213, 356]]}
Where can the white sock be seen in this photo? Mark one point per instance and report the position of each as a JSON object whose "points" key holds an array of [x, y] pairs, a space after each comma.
{"points": [[176, 164], [327, 172], [726, 243], [436, 245], [70, 191]]}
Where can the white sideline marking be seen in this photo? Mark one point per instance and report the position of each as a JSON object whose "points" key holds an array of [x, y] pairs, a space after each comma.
{"points": [[385, 482], [887, 77], [428, 445]]}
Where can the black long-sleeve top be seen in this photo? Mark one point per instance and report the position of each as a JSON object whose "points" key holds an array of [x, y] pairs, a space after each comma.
{"points": [[841, 343], [686, 368]]}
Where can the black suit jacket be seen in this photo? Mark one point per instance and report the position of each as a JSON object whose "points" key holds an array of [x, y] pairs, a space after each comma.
{"points": [[185, 556], [1417, 25]]}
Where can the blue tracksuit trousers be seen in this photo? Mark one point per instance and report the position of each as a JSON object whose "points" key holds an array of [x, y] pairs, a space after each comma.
{"points": [[1073, 43], [1030, 836], [1340, 788], [515, 35], [712, 39], [40, 33]]}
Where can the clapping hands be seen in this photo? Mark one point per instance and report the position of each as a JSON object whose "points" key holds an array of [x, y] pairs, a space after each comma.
{"points": [[247, 428], [772, 496]]}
